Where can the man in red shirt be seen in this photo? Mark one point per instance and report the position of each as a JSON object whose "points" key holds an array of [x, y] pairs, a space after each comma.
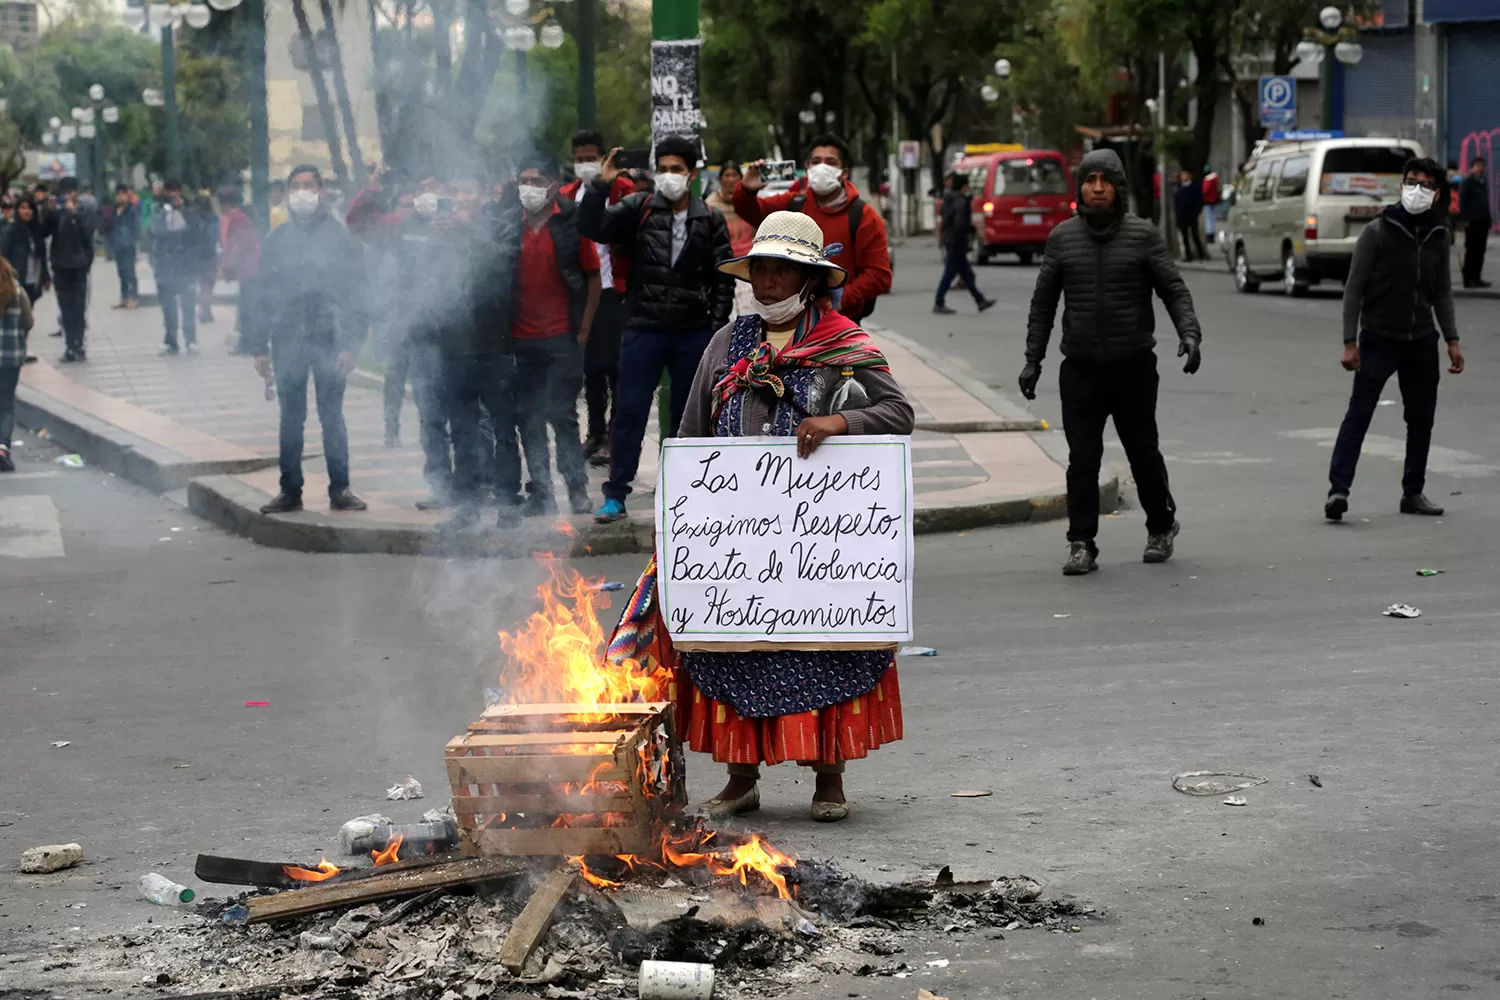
{"points": [[853, 230], [556, 296], [601, 356]]}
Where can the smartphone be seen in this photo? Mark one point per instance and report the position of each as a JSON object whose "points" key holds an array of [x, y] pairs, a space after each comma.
{"points": [[633, 159], [778, 170]]}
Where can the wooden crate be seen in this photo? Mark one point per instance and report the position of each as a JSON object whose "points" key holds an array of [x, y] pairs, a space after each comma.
{"points": [[521, 767]]}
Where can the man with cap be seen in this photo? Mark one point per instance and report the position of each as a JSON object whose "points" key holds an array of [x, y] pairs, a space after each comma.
{"points": [[1105, 264], [308, 321]]}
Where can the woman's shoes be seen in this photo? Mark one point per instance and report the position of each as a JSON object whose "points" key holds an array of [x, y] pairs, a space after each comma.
{"points": [[724, 808], [829, 812]]}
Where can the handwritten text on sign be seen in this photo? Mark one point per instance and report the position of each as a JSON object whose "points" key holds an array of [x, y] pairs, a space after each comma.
{"points": [[754, 544]]}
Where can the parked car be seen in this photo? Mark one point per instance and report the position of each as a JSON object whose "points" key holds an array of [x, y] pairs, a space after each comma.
{"points": [[1019, 196], [1300, 207]]}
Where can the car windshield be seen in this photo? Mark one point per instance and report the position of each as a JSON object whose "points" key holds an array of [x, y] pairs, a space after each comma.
{"points": [[1369, 170], [1026, 177]]}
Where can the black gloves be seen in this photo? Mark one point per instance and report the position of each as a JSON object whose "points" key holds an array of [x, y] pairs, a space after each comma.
{"points": [[1189, 347], [1029, 376]]}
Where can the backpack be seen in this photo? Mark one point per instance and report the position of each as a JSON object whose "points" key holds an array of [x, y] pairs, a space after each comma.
{"points": [[856, 215]]}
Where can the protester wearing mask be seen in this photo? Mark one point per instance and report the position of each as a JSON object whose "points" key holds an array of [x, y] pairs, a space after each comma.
{"points": [[124, 237], [1106, 263], [309, 321], [556, 301], [852, 228], [71, 248], [22, 243], [179, 247], [601, 355], [1398, 296], [675, 298]]}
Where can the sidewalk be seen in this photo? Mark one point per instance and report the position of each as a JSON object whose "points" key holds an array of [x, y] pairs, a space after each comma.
{"points": [[202, 424]]}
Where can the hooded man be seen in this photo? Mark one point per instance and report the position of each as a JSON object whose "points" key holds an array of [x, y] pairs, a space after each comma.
{"points": [[853, 231], [1399, 277], [71, 231], [1105, 264], [1474, 209]]}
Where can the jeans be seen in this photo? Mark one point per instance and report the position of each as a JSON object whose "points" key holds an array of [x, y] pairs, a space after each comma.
{"points": [[1476, 239], [125, 268], [643, 356], [1416, 367], [428, 388], [487, 381], [601, 365], [1091, 394], [179, 295], [548, 370], [397, 367], [1192, 239], [8, 379], [956, 265], [72, 284], [293, 364]]}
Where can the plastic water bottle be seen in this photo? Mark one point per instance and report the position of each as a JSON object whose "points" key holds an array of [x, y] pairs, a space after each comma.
{"points": [[162, 890]]}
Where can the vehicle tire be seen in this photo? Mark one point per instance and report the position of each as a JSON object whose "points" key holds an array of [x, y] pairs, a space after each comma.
{"points": [[1025, 257], [1244, 280], [1291, 285]]}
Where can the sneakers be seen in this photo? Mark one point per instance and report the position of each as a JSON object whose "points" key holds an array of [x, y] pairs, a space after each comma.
{"points": [[169, 351], [1159, 547], [1418, 503], [579, 502], [7, 464], [1083, 559], [986, 304], [600, 458], [344, 499], [69, 357], [609, 511], [1337, 506], [434, 502], [282, 503], [943, 310]]}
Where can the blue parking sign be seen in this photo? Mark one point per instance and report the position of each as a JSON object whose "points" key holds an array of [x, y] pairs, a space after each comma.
{"points": [[1278, 102]]}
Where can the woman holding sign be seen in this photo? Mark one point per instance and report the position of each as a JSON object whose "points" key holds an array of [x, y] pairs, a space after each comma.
{"points": [[793, 366]]}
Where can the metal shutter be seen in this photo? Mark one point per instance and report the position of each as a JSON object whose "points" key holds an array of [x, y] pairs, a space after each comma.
{"points": [[1473, 90], [1380, 94]]}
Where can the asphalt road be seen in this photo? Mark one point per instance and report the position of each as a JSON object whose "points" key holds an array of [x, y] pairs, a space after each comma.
{"points": [[1259, 648]]}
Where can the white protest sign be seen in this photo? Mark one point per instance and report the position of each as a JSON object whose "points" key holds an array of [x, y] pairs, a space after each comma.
{"points": [[756, 545]]}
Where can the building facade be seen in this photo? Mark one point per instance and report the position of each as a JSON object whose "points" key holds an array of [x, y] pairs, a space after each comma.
{"points": [[19, 27]]}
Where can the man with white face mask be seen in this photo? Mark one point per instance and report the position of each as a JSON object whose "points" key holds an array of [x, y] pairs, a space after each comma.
{"points": [[852, 228], [1399, 279], [675, 296]]}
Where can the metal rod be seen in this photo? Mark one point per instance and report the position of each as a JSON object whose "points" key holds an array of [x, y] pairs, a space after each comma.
{"points": [[260, 129]]}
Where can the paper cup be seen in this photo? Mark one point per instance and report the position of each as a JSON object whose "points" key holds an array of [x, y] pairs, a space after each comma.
{"points": [[676, 981]]}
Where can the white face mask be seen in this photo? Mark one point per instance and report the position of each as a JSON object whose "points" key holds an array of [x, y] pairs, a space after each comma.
{"points": [[824, 178], [426, 203], [586, 171], [783, 312], [534, 198], [302, 202], [672, 186], [1416, 199]]}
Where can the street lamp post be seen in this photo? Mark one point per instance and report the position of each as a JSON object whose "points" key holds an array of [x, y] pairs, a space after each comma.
{"points": [[1332, 39]]}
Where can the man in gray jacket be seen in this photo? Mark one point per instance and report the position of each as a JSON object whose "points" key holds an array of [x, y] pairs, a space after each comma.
{"points": [[1105, 264]]}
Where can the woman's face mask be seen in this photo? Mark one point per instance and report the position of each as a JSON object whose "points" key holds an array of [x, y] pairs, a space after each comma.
{"points": [[783, 312], [427, 203]]}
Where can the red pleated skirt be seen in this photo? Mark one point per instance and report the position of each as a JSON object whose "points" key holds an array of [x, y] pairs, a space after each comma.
{"points": [[847, 731]]}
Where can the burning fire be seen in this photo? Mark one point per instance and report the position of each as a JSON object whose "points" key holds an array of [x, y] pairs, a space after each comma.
{"points": [[557, 656], [687, 851], [326, 869], [390, 855], [594, 880]]}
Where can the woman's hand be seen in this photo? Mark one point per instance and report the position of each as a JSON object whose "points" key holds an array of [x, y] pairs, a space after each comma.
{"points": [[812, 432]]}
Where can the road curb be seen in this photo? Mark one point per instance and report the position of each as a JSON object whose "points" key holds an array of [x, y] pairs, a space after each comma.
{"points": [[107, 447]]}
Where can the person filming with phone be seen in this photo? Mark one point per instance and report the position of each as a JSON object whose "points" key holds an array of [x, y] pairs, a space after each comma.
{"points": [[852, 228], [675, 296]]}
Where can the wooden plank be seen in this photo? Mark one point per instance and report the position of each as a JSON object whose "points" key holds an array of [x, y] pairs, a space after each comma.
{"points": [[534, 920], [546, 768], [577, 708], [459, 744], [324, 896], [571, 805], [557, 843], [243, 871]]}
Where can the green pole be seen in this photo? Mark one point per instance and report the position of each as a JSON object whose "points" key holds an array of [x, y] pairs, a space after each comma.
{"points": [[260, 126], [671, 21], [169, 102], [1325, 84], [587, 47]]}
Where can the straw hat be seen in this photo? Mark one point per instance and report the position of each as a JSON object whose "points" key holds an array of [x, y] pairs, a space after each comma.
{"points": [[787, 236]]}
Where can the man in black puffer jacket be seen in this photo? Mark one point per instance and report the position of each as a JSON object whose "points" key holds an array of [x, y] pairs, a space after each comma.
{"points": [[1106, 264], [1399, 277], [675, 297]]}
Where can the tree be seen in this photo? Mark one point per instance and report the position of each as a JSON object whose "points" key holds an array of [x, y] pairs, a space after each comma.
{"points": [[341, 88], [309, 49]]}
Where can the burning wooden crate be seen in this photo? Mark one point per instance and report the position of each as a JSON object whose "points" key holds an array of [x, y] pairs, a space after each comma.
{"points": [[566, 779]]}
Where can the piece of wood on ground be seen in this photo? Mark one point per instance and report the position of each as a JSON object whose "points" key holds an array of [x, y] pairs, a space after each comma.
{"points": [[407, 882], [534, 920]]}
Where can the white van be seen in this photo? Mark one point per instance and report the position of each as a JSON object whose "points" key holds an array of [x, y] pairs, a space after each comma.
{"points": [[1301, 206]]}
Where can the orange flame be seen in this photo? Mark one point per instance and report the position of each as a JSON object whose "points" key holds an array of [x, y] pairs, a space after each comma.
{"points": [[326, 869], [390, 855], [557, 655], [753, 856], [590, 877]]}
